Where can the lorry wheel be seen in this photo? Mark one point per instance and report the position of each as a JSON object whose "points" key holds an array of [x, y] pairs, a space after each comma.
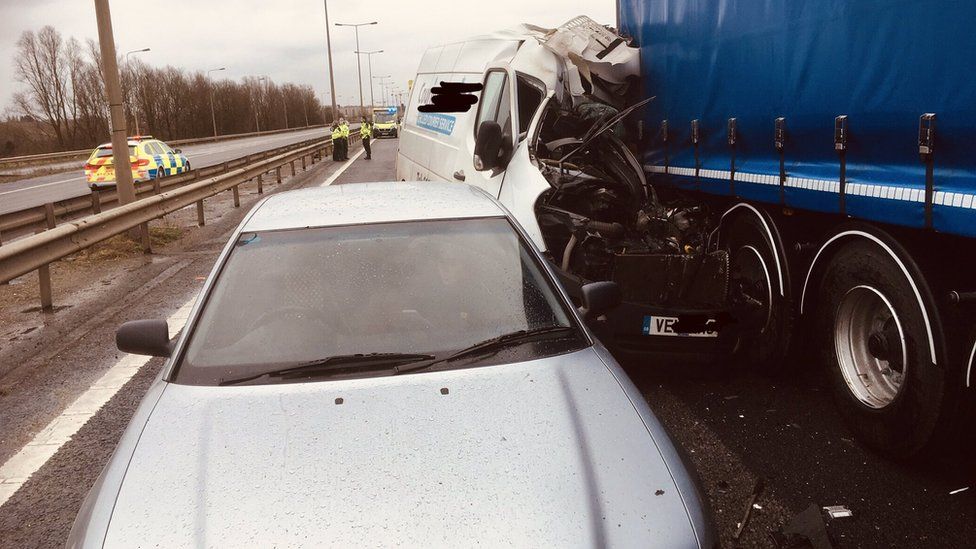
{"points": [[763, 315], [873, 340]]}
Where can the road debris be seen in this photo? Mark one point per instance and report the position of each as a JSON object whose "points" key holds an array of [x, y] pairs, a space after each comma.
{"points": [[806, 530], [956, 491], [838, 511], [756, 490]]}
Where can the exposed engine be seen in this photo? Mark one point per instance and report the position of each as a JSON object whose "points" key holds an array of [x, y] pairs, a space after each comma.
{"points": [[609, 224]]}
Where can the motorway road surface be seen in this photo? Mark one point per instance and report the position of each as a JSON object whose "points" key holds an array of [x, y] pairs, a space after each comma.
{"points": [[25, 193], [735, 426]]}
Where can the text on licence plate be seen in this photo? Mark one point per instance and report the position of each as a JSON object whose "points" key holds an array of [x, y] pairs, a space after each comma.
{"points": [[666, 326]]}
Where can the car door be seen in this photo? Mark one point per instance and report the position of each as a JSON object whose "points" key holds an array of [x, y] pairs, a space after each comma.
{"points": [[172, 161], [497, 103]]}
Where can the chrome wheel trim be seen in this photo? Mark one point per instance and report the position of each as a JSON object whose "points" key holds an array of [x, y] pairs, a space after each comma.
{"points": [[863, 314]]}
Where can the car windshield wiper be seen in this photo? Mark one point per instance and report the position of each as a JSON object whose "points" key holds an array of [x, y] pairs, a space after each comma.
{"points": [[333, 363], [495, 344]]}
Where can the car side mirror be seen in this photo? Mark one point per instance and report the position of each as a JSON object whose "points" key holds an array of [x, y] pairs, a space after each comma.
{"points": [[144, 337], [599, 298], [487, 145], [178, 151]]}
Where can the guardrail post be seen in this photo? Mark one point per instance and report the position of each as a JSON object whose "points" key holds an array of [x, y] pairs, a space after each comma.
{"points": [[44, 271], [96, 202], [144, 237], [260, 186], [304, 167], [200, 220], [278, 174], [156, 187], [237, 196], [292, 164]]}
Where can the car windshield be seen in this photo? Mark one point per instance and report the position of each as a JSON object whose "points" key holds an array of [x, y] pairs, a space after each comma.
{"points": [[288, 298], [383, 117]]}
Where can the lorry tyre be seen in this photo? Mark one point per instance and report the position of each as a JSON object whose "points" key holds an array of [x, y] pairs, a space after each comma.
{"points": [[873, 341], [762, 312]]}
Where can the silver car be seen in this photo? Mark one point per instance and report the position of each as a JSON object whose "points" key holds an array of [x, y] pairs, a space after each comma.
{"points": [[389, 364]]}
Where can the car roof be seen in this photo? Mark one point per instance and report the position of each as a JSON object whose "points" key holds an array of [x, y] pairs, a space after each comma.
{"points": [[361, 203]]}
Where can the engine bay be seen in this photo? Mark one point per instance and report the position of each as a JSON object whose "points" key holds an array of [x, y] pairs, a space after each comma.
{"points": [[602, 220]]}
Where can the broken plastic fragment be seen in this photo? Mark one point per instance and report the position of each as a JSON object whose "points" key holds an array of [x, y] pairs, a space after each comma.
{"points": [[838, 511]]}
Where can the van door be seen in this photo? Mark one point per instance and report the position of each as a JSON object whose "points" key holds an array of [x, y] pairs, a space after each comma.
{"points": [[497, 103]]}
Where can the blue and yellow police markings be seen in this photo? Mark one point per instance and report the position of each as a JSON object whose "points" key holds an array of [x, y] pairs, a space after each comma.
{"points": [[169, 164]]}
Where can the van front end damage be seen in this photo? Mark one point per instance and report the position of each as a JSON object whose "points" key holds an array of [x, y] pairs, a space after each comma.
{"points": [[602, 220]]}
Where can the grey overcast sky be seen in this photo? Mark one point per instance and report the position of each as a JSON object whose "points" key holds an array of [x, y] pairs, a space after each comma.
{"points": [[284, 39]]}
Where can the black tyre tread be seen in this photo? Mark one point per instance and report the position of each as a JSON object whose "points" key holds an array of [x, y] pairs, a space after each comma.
{"points": [[907, 427]]}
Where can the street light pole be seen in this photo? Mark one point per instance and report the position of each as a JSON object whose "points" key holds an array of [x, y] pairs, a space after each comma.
{"points": [[284, 105], [328, 44], [135, 112], [382, 89], [369, 61], [213, 116], [256, 105], [359, 64], [113, 90]]}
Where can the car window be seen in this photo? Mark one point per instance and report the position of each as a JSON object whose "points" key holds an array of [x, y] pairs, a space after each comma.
{"points": [[529, 96], [163, 147], [106, 152], [288, 297], [495, 103]]}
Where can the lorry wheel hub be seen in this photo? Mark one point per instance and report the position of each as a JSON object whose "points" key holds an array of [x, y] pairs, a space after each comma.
{"points": [[870, 346]]}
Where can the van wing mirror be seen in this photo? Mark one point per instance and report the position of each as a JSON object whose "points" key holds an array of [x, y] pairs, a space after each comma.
{"points": [[144, 337], [599, 298], [487, 145]]}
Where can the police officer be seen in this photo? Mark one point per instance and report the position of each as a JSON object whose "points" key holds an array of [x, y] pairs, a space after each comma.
{"points": [[336, 142], [365, 132], [344, 127]]}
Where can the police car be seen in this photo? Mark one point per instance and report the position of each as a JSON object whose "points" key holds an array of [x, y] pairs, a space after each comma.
{"points": [[150, 159]]}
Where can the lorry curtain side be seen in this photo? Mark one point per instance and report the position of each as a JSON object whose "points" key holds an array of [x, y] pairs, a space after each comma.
{"points": [[882, 63]]}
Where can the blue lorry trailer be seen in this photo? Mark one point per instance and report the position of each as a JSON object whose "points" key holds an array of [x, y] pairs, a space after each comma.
{"points": [[836, 142]]}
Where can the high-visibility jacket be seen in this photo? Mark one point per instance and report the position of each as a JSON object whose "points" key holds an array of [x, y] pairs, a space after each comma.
{"points": [[336, 132], [365, 130], [345, 129]]}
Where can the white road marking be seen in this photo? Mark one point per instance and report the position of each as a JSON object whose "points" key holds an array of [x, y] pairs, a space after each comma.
{"points": [[15, 472], [76, 178], [348, 163]]}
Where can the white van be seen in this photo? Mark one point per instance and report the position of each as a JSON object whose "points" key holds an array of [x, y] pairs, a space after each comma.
{"points": [[545, 138]]}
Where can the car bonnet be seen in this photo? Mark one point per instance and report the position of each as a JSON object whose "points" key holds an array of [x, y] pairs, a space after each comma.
{"points": [[549, 452]]}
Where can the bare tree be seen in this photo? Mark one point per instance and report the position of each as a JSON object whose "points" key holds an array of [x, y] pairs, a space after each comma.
{"points": [[65, 92], [41, 64]]}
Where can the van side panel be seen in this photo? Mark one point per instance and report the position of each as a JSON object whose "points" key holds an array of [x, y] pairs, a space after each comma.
{"points": [[429, 142]]}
